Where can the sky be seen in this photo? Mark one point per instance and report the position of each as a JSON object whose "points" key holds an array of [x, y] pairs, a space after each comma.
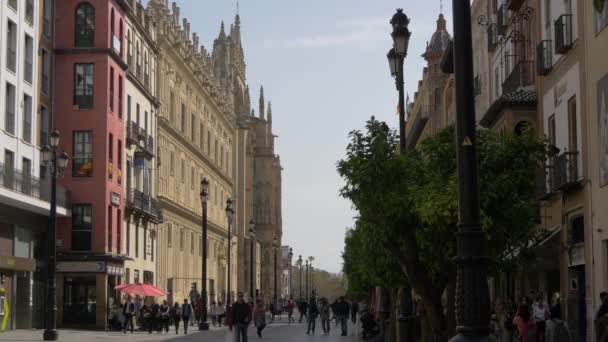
{"points": [[323, 66]]}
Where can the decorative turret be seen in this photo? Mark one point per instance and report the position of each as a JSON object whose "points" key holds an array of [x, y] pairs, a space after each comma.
{"points": [[269, 115], [261, 112], [439, 40]]}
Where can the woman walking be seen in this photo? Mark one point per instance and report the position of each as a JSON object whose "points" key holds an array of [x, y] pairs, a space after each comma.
{"points": [[165, 316], [500, 322], [176, 315], [526, 327], [259, 316], [324, 314]]}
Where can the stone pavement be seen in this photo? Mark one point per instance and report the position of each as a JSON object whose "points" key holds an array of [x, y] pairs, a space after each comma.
{"points": [[276, 332]]}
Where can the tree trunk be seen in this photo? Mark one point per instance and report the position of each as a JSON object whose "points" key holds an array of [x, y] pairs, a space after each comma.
{"points": [[392, 326], [435, 318], [451, 315]]}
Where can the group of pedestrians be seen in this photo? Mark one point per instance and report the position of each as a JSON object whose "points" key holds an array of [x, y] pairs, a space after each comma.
{"points": [[322, 309], [152, 317], [529, 321]]}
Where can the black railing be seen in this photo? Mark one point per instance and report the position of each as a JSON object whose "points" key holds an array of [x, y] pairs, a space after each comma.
{"points": [[133, 132], [563, 33], [566, 171], [150, 145], [17, 180], [143, 203], [477, 85], [544, 58], [492, 37], [501, 20], [514, 5], [522, 75]]}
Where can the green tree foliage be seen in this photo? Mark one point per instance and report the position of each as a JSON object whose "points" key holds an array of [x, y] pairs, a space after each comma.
{"points": [[408, 207]]}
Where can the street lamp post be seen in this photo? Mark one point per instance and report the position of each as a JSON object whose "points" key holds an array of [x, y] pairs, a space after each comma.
{"points": [[58, 164], [307, 299], [204, 325], [310, 260], [300, 269], [251, 261], [472, 294], [396, 58], [290, 256], [275, 246], [229, 217]]}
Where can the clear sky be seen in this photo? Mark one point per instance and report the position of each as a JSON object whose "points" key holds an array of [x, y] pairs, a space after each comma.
{"points": [[323, 65]]}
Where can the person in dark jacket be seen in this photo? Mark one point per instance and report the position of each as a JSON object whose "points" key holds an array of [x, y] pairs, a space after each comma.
{"points": [[187, 314], [240, 316], [128, 312], [302, 307], [176, 315], [354, 310], [164, 313], [342, 310], [313, 312]]}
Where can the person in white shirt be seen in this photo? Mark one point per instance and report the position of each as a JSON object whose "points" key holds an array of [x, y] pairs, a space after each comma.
{"points": [[540, 313]]}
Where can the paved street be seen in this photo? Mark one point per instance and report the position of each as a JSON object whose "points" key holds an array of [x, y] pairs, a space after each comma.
{"points": [[274, 332]]}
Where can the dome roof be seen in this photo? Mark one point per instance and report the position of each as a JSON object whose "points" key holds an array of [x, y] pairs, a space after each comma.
{"points": [[440, 39]]}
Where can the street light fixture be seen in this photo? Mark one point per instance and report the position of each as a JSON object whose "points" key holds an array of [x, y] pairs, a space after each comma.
{"points": [[204, 325], [57, 162], [393, 61], [229, 217], [251, 261], [401, 34]]}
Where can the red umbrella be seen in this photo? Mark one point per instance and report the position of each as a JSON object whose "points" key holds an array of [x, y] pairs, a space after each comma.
{"points": [[145, 290]]}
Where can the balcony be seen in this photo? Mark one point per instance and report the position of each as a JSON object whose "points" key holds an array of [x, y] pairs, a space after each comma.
{"points": [[544, 58], [31, 186], [544, 183], [477, 86], [501, 20], [150, 145], [565, 172], [492, 37], [522, 75], [515, 5], [134, 133], [563, 34], [143, 205]]}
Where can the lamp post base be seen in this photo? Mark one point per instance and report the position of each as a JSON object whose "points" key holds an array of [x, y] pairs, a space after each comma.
{"points": [[469, 338], [50, 335], [203, 326]]}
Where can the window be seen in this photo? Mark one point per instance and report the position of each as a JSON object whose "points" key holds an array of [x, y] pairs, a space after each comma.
{"points": [[111, 89], [496, 83], [27, 118], [110, 155], [128, 234], [83, 86], [137, 111], [121, 33], [119, 169], [46, 67], [172, 107], [120, 97], [146, 70], [112, 27], [551, 128], [181, 240], [85, 25], [548, 13], [215, 151], [572, 126], [202, 136], [9, 169], [9, 118], [172, 163], [183, 171], [146, 121], [129, 50], [137, 60], [136, 276], [193, 126], [145, 243], [82, 152], [183, 119], [82, 226], [208, 143], [129, 109], [169, 234], [222, 157], [29, 11], [26, 169], [192, 178], [192, 243], [119, 231], [28, 57], [11, 46], [44, 126], [46, 18], [110, 228], [136, 240]]}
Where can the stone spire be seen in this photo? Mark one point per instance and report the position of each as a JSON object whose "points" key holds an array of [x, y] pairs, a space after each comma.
{"points": [[441, 23], [269, 114], [261, 112], [235, 30], [222, 35]]}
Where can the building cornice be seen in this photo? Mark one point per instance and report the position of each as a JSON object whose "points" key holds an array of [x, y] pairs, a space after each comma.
{"points": [[170, 205], [107, 51]]}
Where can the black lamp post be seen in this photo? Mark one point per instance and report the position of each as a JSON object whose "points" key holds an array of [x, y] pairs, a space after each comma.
{"points": [[229, 217], [204, 325], [251, 260], [275, 247], [290, 256], [299, 263], [58, 162], [306, 270], [472, 294], [396, 58], [310, 260]]}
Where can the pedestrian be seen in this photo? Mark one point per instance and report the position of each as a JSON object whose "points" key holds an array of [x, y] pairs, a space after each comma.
{"points": [[128, 312], [540, 313], [500, 320], [154, 318], [213, 313], [273, 310], [176, 315], [197, 309], [601, 318], [259, 316], [313, 312], [526, 328], [187, 314], [240, 317], [342, 310], [324, 312], [139, 304], [146, 317], [333, 311], [221, 313], [556, 329], [354, 310], [279, 308], [303, 308], [290, 307]]}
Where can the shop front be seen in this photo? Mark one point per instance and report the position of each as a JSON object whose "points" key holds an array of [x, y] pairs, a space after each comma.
{"points": [[13, 291], [86, 292]]}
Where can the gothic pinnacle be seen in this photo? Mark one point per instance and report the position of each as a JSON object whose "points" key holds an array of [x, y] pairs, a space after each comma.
{"points": [[269, 114], [261, 113]]}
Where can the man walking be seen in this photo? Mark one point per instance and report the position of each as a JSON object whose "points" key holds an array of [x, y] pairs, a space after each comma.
{"points": [[240, 317], [313, 312], [290, 307], [303, 308], [186, 314], [341, 311], [354, 310], [128, 311]]}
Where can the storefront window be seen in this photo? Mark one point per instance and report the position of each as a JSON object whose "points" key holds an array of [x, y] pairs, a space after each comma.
{"points": [[79, 300]]}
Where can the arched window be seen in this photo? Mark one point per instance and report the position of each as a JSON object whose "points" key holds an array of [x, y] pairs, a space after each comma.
{"points": [[85, 25], [120, 37]]}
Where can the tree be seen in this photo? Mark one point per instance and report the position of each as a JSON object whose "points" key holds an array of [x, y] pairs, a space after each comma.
{"points": [[407, 205]]}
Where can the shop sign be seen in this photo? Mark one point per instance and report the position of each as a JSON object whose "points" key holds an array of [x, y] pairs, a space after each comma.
{"points": [[115, 199], [17, 264], [115, 270], [81, 266]]}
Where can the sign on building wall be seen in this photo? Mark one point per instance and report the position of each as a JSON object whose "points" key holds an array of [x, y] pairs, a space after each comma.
{"points": [[602, 107]]}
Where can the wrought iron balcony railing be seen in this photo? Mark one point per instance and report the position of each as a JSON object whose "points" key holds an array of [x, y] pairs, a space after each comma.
{"points": [[544, 57], [143, 204], [563, 33], [566, 175], [522, 75], [26, 184]]}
